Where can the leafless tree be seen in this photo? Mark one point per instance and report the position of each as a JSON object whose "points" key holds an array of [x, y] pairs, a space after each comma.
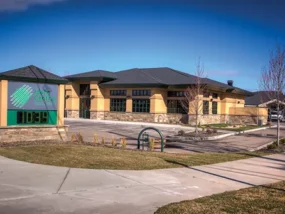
{"points": [[193, 99], [273, 80]]}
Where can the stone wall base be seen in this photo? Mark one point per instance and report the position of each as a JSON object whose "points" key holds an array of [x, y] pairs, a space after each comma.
{"points": [[231, 119], [97, 115], [72, 114], [33, 133]]}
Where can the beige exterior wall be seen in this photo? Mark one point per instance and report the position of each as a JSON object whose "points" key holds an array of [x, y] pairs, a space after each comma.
{"points": [[3, 102], [228, 103], [60, 106]]}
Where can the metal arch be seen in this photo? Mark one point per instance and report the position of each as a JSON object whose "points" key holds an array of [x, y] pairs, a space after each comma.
{"points": [[155, 129]]}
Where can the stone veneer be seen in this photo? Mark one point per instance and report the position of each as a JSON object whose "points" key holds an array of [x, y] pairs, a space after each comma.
{"points": [[97, 115], [232, 119], [33, 133], [72, 114]]}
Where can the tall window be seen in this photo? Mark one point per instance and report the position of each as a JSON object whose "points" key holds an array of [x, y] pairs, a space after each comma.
{"points": [[85, 89], [141, 105], [205, 107], [214, 108], [118, 92], [118, 105], [176, 93], [141, 92], [174, 106]]}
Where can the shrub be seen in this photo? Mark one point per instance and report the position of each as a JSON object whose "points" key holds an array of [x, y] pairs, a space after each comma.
{"points": [[269, 123], [215, 131], [151, 144], [209, 131], [124, 142], [96, 139], [272, 146], [203, 129], [114, 143], [77, 138], [181, 133], [103, 141]]}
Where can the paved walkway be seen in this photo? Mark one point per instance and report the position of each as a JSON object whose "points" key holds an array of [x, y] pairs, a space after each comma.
{"points": [[34, 189], [130, 130]]}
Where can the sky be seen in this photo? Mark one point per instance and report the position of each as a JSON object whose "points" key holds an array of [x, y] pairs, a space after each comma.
{"points": [[233, 39]]}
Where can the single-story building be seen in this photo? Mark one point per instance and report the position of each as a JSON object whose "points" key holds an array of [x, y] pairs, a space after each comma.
{"points": [[265, 99], [154, 95]]}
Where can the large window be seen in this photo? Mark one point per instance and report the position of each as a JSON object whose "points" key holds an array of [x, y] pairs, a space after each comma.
{"points": [[214, 108], [205, 107], [141, 105], [118, 92], [118, 105], [174, 106], [141, 93], [176, 93], [85, 89]]}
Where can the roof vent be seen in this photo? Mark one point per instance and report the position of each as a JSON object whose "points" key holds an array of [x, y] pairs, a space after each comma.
{"points": [[230, 83]]}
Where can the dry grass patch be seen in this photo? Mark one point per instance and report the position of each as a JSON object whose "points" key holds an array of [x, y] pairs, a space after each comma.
{"points": [[268, 199], [82, 156]]}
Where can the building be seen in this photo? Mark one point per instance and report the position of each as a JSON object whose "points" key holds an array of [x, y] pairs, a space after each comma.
{"points": [[265, 99], [31, 105], [153, 95]]}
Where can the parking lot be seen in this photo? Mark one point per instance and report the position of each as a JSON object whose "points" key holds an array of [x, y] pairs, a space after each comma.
{"points": [[112, 129]]}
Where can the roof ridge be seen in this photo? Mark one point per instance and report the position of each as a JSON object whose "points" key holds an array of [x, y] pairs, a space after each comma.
{"points": [[150, 76], [182, 73]]}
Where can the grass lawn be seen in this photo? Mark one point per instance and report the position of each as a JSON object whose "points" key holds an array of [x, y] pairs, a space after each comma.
{"points": [[82, 156], [269, 199]]}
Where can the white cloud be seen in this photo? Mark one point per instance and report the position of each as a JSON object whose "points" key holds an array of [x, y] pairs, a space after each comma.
{"points": [[16, 5]]}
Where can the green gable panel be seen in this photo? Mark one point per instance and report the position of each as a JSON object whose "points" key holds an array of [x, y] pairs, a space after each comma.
{"points": [[31, 117]]}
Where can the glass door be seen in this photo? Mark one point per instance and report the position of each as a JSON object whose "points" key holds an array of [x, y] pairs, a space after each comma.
{"points": [[84, 111]]}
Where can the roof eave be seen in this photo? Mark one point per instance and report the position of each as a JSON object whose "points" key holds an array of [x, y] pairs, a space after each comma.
{"points": [[38, 80]]}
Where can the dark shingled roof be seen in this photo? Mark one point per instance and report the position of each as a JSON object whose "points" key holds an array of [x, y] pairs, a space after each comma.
{"points": [[93, 75], [163, 77], [33, 74], [260, 97]]}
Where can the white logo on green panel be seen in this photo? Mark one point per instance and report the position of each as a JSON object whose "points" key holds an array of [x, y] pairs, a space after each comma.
{"points": [[21, 96]]}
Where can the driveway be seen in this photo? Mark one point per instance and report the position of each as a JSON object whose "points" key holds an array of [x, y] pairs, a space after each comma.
{"points": [[36, 189], [108, 129]]}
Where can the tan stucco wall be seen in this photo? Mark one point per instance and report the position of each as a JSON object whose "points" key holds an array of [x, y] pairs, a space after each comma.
{"points": [[248, 111], [227, 102], [3, 102], [60, 106]]}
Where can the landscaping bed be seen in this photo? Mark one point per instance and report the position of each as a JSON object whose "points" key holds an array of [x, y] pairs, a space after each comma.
{"points": [[102, 157], [229, 127], [262, 199]]}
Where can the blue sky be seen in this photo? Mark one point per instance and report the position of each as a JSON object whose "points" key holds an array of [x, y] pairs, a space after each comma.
{"points": [[233, 39]]}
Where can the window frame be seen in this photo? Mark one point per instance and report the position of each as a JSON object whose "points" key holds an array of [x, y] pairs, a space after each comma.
{"points": [[215, 97], [177, 108], [175, 93], [206, 111], [140, 109], [141, 93], [216, 110], [122, 92], [116, 108]]}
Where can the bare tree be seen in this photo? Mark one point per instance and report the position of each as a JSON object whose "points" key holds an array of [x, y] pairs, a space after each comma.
{"points": [[273, 80], [193, 99]]}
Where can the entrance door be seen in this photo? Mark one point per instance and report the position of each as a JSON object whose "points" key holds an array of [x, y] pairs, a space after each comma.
{"points": [[84, 111]]}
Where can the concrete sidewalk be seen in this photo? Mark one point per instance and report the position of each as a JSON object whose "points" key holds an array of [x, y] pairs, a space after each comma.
{"points": [[31, 189]]}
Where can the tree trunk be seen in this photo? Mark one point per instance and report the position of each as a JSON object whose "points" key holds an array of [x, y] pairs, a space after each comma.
{"points": [[278, 124]]}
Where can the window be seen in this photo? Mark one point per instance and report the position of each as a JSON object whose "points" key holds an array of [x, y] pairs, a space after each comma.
{"points": [[174, 106], [85, 89], [141, 92], [118, 105], [176, 93], [118, 92], [215, 96], [205, 107], [214, 108], [141, 105]]}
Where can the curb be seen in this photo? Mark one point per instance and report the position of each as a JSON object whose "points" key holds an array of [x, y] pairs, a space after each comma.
{"points": [[113, 122], [261, 147]]}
